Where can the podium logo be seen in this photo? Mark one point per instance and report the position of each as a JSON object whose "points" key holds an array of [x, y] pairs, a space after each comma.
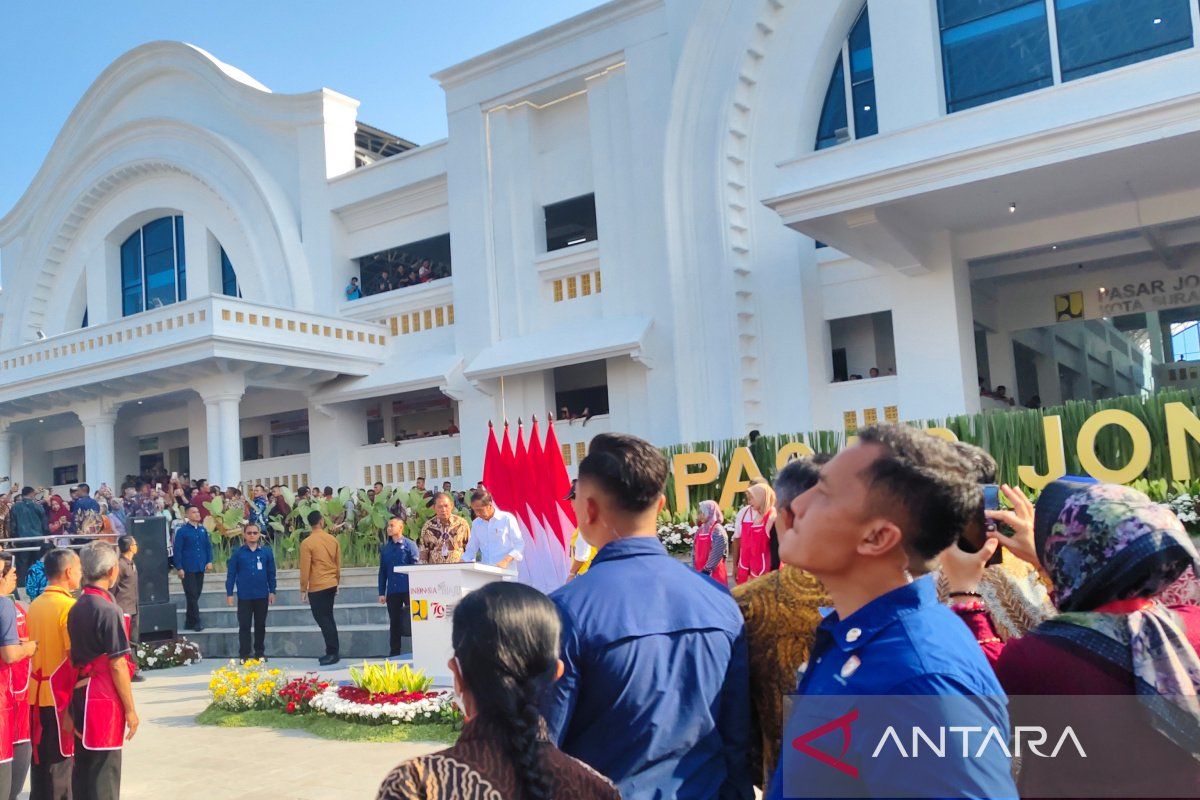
{"points": [[420, 610], [842, 723]]}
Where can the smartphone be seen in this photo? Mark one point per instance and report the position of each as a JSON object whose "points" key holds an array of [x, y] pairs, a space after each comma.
{"points": [[991, 502]]}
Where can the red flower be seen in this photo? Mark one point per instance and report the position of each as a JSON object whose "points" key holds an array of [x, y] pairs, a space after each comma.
{"points": [[291, 708]]}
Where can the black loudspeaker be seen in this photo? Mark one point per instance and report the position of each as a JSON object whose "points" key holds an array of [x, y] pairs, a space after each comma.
{"points": [[156, 612]]}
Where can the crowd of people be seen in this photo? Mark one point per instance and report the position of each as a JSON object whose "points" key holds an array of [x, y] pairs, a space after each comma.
{"points": [[410, 272], [881, 575]]}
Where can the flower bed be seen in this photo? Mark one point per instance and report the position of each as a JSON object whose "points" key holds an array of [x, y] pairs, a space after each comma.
{"points": [[678, 537], [380, 694], [359, 705], [162, 655]]}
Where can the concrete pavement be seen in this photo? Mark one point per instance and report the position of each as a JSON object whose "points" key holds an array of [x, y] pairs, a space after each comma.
{"points": [[173, 757]]}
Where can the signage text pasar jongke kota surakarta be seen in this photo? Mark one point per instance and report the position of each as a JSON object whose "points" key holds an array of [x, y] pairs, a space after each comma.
{"points": [[1129, 298]]}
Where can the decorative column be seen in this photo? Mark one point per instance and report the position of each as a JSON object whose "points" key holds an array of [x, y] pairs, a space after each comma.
{"points": [[99, 446], [223, 423]]}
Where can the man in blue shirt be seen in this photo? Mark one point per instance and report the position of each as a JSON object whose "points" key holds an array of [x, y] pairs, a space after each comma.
{"points": [[193, 557], [398, 551], [655, 682], [889, 654], [251, 573]]}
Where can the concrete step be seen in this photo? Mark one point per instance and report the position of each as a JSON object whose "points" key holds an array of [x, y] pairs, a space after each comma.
{"points": [[295, 615], [356, 641], [283, 596], [290, 579]]}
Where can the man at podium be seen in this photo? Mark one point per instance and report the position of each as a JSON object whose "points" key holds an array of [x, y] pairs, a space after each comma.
{"points": [[495, 536], [444, 538]]}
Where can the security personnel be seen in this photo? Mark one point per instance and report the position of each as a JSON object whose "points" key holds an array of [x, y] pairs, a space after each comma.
{"points": [[193, 557], [398, 551], [53, 679], [251, 572], [102, 702]]}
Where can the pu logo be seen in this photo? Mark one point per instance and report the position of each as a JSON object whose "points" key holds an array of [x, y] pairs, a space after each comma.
{"points": [[842, 723], [420, 610]]}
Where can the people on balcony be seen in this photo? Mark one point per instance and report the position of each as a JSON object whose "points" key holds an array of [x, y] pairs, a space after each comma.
{"points": [[410, 271]]}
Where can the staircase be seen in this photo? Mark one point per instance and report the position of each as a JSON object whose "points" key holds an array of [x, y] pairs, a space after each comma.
{"points": [[362, 622]]}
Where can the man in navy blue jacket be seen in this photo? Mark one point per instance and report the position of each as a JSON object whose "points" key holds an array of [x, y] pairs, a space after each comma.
{"points": [[398, 551], [654, 692], [193, 557], [251, 573]]}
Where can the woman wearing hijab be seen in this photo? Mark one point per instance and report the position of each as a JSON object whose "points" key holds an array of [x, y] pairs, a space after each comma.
{"points": [[1108, 551], [58, 520], [711, 543], [752, 533]]}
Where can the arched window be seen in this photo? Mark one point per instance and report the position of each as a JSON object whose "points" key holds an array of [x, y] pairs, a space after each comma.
{"points": [[841, 122], [229, 281], [153, 272], [993, 49]]}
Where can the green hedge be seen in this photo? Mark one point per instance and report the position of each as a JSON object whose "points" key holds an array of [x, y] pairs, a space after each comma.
{"points": [[1014, 438]]}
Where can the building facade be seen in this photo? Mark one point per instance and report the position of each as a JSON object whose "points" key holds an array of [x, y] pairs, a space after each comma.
{"points": [[686, 219]]}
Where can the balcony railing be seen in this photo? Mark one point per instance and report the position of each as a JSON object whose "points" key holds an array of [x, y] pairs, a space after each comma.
{"points": [[345, 346], [436, 458]]}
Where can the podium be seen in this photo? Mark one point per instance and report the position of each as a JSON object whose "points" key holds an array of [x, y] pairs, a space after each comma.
{"points": [[434, 591]]}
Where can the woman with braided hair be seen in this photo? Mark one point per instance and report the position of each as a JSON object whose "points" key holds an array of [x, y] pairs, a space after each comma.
{"points": [[505, 638]]}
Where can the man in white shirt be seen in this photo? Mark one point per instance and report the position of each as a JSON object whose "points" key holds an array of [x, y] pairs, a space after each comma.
{"points": [[495, 535]]}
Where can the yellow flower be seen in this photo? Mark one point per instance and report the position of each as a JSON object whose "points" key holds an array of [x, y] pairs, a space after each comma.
{"points": [[242, 692]]}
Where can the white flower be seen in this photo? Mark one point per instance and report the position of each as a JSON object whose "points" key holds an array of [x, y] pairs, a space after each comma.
{"points": [[151, 661]]}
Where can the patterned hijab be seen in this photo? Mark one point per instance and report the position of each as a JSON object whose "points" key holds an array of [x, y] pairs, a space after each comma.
{"points": [[710, 513], [1102, 544]]}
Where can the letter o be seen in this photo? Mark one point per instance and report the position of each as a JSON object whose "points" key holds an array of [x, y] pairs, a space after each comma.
{"points": [[1085, 446]]}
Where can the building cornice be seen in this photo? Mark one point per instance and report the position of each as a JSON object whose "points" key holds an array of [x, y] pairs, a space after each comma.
{"points": [[1122, 129], [546, 39], [402, 202]]}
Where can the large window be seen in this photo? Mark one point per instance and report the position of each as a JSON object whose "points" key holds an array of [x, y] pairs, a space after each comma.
{"points": [[1098, 35], [153, 272], [407, 265], [855, 60], [570, 222], [993, 49]]}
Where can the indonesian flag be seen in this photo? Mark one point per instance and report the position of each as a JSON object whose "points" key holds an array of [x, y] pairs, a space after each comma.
{"points": [[556, 477], [544, 565], [544, 505], [495, 476]]}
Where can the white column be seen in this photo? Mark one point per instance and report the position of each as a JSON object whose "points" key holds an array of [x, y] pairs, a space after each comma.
{"points": [[231, 440], [212, 431], [223, 424], [100, 452], [199, 259], [6, 450]]}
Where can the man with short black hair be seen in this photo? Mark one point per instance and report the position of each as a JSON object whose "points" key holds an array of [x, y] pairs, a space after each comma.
{"points": [[251, 574], [320, 574], [102, 703], [193, 556], [51, 679], [870, 530], [86, 517], [26, 518], [645, 637], [495, 535]]}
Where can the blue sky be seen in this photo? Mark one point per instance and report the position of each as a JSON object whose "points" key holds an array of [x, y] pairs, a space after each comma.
{"points": [[379, 53]]}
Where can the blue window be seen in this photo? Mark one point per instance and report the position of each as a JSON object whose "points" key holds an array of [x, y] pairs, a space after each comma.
{"points": [[835, 124], [229, 281], [153, 272], [993, 49], [1099, 35]]}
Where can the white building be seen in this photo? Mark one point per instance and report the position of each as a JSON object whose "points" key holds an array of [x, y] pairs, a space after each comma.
{"points": [[627, 206]]}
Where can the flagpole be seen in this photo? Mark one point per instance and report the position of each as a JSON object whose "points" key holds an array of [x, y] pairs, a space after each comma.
{"points": [[503, 408]]}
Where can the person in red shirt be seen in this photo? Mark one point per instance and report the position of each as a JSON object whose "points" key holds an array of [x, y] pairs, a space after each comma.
{"points": [[1108, 551], [202, 495]]}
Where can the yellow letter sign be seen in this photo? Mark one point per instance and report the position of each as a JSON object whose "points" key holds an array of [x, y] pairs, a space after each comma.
{"points": [[741, 463], [683, 479], [1056, 457], [1085, 446]]}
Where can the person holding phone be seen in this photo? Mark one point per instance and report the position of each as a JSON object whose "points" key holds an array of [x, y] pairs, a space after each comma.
{"points": [[1011, 589]]}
